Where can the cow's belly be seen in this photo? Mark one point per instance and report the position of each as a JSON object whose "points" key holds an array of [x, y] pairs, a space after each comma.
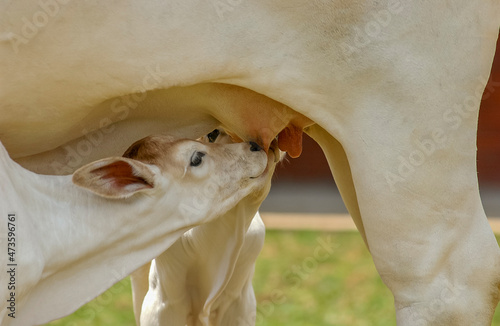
{"points": [[157, 111], [53, 144], [112, 140]]}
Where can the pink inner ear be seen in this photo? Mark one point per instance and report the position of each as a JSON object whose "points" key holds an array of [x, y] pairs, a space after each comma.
{"points": [[121, 174]]}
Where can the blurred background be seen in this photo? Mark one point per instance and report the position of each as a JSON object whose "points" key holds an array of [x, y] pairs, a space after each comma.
{"points": [[295, 288]]}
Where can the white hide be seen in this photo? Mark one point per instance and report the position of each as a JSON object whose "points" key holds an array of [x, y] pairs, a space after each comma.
{"points": [[72, 243], [205, 277], [393, 88]]}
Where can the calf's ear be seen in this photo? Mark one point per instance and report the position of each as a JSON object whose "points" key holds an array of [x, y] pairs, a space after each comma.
{"points": [[115, 177]]}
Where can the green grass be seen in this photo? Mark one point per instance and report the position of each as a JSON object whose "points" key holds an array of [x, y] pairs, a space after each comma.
{"points": [[313, 286], [297, 283], [112, 308]]}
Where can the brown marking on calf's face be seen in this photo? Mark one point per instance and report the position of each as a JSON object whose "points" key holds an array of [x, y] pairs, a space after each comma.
{"points": [[152, 150], [164, 151], [220, 169]]}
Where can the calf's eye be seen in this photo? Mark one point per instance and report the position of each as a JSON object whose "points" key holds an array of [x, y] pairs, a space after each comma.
{"points": [[197, 158], [212, 137]]}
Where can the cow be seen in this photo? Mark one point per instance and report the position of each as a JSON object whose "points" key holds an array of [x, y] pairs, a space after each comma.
{"points": [[389, 89], [205, 277], [72, 236]]}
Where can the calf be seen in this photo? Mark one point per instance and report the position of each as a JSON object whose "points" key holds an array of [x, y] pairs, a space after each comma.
{"points": [[205, 277], [74, 236]]}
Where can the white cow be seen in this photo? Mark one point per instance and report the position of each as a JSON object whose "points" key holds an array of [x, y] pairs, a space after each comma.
{"points": [[68, 244], [389, 89], [205, 277]]}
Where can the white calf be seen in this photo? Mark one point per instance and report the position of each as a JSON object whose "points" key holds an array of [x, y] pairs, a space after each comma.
{"points": [[132, 213], [205, 277]]}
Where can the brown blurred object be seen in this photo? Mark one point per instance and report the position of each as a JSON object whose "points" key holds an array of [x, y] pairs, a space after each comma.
{"points": [[311, 166], [488, 136]]}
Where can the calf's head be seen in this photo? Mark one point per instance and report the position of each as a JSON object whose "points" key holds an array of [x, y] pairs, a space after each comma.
{"points": [[219, 136], [204, 176]]}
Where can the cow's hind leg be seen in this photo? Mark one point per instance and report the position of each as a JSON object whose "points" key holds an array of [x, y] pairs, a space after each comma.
{"points": [[424, 225], [407, 125], [415, 180]]}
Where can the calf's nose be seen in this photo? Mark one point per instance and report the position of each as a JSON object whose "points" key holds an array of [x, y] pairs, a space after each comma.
{"points": [[254, 147]]}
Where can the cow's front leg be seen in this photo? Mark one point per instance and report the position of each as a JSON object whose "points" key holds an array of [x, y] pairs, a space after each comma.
{"points": [[407, 122]]}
